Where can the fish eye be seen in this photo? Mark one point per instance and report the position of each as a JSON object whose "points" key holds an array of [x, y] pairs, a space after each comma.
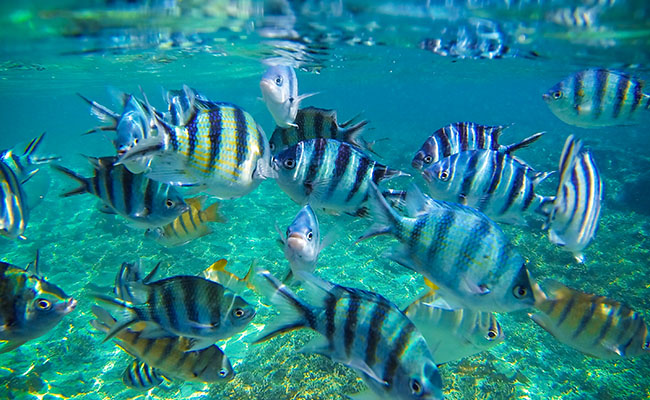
{"points": [[310, 235], [443, 175], [492, 334], [416, 387], [169, 203], [272, 146], [557, 94], [519, 291], [289, 163], [43, 304], [428, 159], [278, 80], [238, 313], [223, 373]]}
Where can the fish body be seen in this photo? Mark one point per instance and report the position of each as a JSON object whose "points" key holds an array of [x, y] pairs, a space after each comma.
{"points": [[329, 174], [189, 306], [30, 306], [318, 123], [360, 329], [14, 210], [457, 248], [464, 136], [454, 334], [572, 217], [26, 164], [301, 243], [141, 376], [497, 184], [190, 225], [168, 354], [221, 151], [597, 97], [279, 86], [142, 201], [594, 325]]}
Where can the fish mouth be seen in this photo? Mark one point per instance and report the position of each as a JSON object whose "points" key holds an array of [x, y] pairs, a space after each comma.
{"points": [[427, 175], [417, 164], [546, 97], [296, 242], [268, 90]]}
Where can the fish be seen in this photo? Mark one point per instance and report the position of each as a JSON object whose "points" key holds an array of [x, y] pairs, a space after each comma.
{"points": [[463, 136], [131, 272], [217, 273], [190, 225], [141, 376], [329, 174], [279, 86], [131, 126], [168, 354], [317, 123], [594, 325], [30, 305], [453, 334], [220, 151], [597, 97], [457, 248], [14, 210], [573, 215], [301, 243], [360, 329], [144, 202], [202, 310], [26, 164], [497, 184]]}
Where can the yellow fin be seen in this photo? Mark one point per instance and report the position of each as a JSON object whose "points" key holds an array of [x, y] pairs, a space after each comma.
{"points": [[195, 202], [212, 214], [212, 272], [431, 285]]}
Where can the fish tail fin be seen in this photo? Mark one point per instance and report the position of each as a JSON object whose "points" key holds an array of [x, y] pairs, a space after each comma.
{"points": [[104, 320], [385, 217], [212, 214], [130, 316], [294, 313], [84, 183], [524, 143], [247, 279], [102, 113]]}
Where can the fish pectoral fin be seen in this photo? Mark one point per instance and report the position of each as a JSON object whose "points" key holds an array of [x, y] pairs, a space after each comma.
{"points": [[318, 345], [193, 344], [12, 345], [364, 395], [106, 209], [360, 365]]}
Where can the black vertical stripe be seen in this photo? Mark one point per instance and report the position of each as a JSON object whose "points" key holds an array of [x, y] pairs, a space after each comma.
{"points": [[362, 170], [606, 325], [444, 142], [169, 305], [566, 310], [600, 89], [378, 172], [638, 96], [242, 135], [173, 139], [497, 172], [530, 196], [189, 300], [375, 327], [318, 125], [215, 308], [463, 133], [515, 187], [481, 134], [334, 130], [147, 348], [181, 222], [149, 192], [621, 94], [578, 90], [316, 160], [300, 121], [192, 129], [330, 310], [127, 191], [350, 326], [399, 346], [470, 172], [164, 354], [181, 359], [414, 238], [108, 174], [214, 135], [586, 317], [340, 166], [442, 226]]}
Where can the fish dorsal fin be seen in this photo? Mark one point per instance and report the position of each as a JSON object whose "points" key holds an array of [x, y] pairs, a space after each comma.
{"points": [[215, 268], [151, 274], [196, 202], [416, 201], [139, 291], [570, 151], [557, 290], [33, 267]]}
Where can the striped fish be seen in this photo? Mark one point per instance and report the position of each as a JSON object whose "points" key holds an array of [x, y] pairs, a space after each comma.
{"points": [[190, 306], [168, 354], [463, 136], [360, 329], [572, 217], [26, 164], [597, 98], [457, 248], [190, 225], [279, 86], [497, 184], [14, 211], [142, 201], [318, 123], [141, 376], [329, 174], [454, 334], [594, 325], [221, 150]]}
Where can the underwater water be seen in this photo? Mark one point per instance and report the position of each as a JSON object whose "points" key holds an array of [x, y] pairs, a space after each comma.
{"points": [[360, 57]]}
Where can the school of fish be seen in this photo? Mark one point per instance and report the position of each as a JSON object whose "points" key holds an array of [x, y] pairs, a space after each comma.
{"points": [[449, 234]]}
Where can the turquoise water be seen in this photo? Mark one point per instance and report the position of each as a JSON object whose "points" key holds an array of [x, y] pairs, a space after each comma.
{"points": [[360, 57]]}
